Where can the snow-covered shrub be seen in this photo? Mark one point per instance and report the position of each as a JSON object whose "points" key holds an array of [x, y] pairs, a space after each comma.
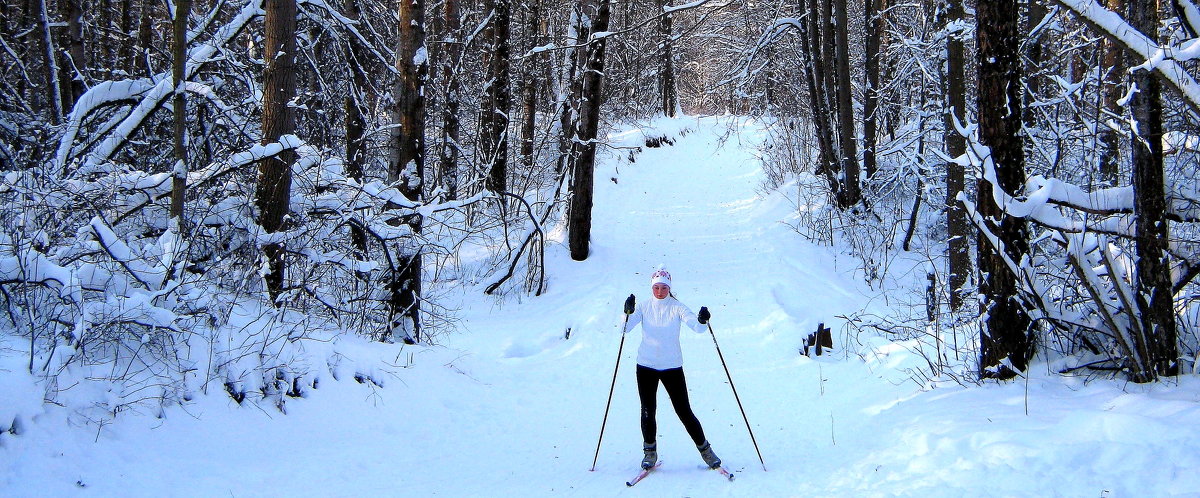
{"points": [[115, 305]]}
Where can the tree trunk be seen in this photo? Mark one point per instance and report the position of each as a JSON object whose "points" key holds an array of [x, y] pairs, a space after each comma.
{"points": [[183, 10], [127, 44], [145, 38], [448, 148], [579, 225], [957, 224], [848, 152], [1034, 58], [356, 123], [531, 83], [1154, 297], [46, 38], [1110, 110], [825, 42], [406, 165], [1005, 338], [810, 40], [75, 58], [668, 92], [874, 9], [497, 104], [278, 119]]}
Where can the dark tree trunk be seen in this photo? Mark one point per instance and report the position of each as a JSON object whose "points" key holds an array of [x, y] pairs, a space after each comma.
{"points": [[848, 152], [825, 21], [815, 78], [1005, 336], [1154, 297], [127, 44], [579, 225], [1034, 59], [668, 93], [74, 61], [529, 91], [452, 54], [278, 119], [874, 9], [497, 104], [47, 45], [406, 166], [1110, 109], [145, 38], [531, 82], [957, 224], [356, 123], [183, 10]]}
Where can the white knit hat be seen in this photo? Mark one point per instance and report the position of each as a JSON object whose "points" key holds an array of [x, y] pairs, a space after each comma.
{"points": [[660, 276]]}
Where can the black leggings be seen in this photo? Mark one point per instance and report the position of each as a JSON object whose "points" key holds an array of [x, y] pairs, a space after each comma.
{"points": [[672, 379]]}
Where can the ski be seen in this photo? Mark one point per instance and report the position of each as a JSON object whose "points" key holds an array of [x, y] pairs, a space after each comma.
{"points": [[725, 472], [642, 474]]}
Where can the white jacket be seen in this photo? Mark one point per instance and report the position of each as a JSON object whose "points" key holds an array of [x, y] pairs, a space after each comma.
{"points": [[660, 320]]}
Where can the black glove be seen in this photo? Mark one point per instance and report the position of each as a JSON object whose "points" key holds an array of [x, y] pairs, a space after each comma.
{"points": [[629, 305], [704, 315]]}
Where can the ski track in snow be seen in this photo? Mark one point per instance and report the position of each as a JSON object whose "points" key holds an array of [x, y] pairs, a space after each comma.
{"points": [[509, 407]]}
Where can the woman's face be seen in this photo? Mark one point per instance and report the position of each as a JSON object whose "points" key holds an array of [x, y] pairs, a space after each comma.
{"points": [[661, 291]]}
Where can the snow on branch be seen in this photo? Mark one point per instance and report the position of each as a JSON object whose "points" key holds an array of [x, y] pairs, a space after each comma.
{"points": [[1165, 60], [149, 93], [769, 35], [351, 26], [1190, 16], [1044, 198]]}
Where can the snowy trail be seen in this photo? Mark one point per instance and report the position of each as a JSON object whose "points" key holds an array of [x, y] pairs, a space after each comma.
{"points": [[508, 407], [693, 207]]}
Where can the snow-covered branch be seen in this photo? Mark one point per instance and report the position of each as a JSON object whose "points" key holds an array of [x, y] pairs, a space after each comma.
{"points": [[1166, 60], [149, 93]]}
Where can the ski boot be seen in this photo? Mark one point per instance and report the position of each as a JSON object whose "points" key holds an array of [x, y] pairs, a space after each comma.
{"points": [[651, 458], [710, 458]]}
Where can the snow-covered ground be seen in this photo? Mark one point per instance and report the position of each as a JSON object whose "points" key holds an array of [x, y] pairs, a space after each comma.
{"points": [[509, 407]]}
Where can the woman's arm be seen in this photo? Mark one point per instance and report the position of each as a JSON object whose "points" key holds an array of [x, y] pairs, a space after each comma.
{"points": [[687, 316], [632, 319]]}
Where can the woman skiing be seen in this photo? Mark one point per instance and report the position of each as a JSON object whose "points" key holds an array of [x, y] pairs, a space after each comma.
{"points": [[661, 360]]}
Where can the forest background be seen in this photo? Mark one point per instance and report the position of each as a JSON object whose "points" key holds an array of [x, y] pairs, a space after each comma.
{"points": [[334, 167]]}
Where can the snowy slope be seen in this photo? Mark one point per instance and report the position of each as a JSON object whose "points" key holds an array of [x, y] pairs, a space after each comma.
{"points": [[509, 407]]}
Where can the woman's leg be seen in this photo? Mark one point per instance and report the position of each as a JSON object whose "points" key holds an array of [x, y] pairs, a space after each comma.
{"points": [[647, 382], [676, 387]]}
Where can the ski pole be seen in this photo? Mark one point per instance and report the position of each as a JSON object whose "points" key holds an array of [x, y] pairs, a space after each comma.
{"points": [[735, 397], [610, 393]]}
